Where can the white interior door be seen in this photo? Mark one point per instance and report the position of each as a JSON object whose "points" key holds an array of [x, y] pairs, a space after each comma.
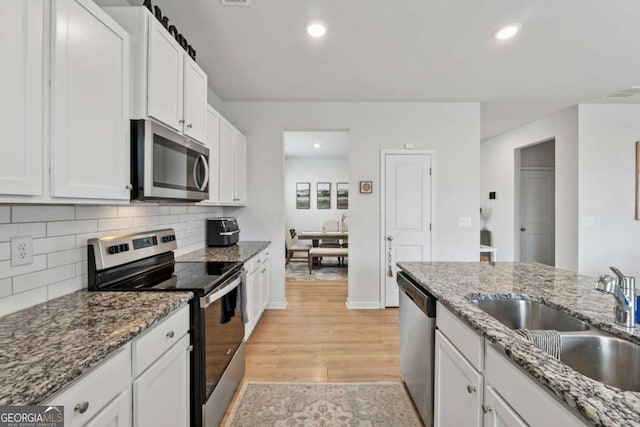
{"points": [[537, 216], [407, 208]]}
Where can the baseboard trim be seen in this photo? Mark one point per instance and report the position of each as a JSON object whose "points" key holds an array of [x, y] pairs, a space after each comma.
{"points": [[277, 305], [362, 305]]}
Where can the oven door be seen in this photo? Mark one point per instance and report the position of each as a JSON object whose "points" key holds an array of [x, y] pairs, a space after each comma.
{"points": [[167, 166], [223, 330]]}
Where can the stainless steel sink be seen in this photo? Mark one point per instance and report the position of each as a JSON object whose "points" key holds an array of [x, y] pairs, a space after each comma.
{"points": [[607, 359], [524, 314]]}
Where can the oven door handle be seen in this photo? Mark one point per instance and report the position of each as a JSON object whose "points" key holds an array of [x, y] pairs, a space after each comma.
{"points": [[231, 284]]}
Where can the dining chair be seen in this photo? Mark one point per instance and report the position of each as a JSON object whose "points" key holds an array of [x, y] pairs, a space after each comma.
{"points": [[294, 246]]}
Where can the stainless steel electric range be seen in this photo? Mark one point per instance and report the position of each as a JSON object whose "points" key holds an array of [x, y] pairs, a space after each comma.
{"points": [[146, 262]]}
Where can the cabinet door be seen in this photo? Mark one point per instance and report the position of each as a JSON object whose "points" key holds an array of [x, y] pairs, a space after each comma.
{"points": [[116, 414], [195, 101], [226, 161], [161, 393], [457, 387], [265, 284], [164, 77], [21, 82], [213, 142], [249, 291], [256, 303], [497, 413], [90, 98], [240, 167]]}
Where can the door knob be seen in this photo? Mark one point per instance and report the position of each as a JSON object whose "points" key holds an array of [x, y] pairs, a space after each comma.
{"points": [[523, 229], [390, 238]]}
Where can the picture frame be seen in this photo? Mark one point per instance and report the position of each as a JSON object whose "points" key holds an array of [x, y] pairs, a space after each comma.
{"points": [[303, 195], [323, 195], [342, 195], [366, 187]]}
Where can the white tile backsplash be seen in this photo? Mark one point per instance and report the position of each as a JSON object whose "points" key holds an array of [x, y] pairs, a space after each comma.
{"points": [[60, 236], [42, 213], [62, 228]]}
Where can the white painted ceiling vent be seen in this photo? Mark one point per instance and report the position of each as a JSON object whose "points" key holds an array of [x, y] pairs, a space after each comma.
{"points": [[627, 93], [236, 2]]}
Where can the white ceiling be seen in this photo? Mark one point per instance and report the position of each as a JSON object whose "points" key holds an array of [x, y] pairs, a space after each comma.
{"points": [[568, 51], [300, 143]]}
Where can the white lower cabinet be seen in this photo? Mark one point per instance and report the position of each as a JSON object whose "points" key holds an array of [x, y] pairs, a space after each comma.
{"points": [[257, 285], [115, 414], [457, 387], [477, 385], [497, 412], [146, 382], [161, 393]]}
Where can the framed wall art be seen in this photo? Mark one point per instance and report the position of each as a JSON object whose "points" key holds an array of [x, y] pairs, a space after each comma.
{"points": [[303, 195], [366, 187], [342, 195], [323, 195]]}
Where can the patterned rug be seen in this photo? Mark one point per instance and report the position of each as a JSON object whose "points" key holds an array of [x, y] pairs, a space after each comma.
{"points": [[323, 405], [329, 270]]}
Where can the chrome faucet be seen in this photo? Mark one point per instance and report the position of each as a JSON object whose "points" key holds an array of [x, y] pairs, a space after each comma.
{"points": [[623, 289]]}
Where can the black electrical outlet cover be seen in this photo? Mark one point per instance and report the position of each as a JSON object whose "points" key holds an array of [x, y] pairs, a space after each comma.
{"points": [[492, 195]]}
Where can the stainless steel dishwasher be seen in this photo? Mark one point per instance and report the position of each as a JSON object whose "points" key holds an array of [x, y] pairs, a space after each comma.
{"points": [[417, 336]]}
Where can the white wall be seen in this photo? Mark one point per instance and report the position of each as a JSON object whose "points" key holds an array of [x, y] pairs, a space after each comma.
{"points": [[451, 129], [498, 165], [313, 170], [608, 134], [60, 236]]}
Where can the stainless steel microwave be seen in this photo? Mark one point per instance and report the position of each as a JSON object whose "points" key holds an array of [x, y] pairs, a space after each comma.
{"points": [[166, 166]]}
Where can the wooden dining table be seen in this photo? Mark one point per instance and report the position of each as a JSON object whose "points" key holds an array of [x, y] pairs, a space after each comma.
{"points": [[316, 236]]}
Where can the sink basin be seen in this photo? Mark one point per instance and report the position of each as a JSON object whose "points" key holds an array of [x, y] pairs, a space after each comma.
{"points": [[524, 314], [607, 359]]}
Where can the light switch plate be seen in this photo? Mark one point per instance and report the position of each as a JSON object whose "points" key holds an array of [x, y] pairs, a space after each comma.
{"points": [[21, 250], [464, 221], [588, 221]]}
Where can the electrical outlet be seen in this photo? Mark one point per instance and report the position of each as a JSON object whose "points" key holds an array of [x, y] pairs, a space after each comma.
{"points": [[21, 250]]}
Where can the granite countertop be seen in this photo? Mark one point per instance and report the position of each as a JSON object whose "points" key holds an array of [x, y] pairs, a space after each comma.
{"points": [[44, 347], [241, 251], [453, 284]]}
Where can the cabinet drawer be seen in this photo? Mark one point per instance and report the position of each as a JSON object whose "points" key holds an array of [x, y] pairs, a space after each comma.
{"points": [[265, 255], [537, 406], [464, 338], [153, 343], [254, 263], [99, 387]]}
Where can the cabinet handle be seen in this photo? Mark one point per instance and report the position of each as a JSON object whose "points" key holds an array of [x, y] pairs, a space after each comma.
{"points": [[81, 407], [263, 270], [170, 334], [129, 187], [486, 409], [471, 389], [181, 121], [190, 348], [190, 125]]}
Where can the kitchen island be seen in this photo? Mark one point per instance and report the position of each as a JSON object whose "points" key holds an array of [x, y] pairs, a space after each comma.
{"points": [[455, 284]]}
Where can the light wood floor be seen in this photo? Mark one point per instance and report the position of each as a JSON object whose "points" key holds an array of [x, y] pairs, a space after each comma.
{"points": [[316, 338]]}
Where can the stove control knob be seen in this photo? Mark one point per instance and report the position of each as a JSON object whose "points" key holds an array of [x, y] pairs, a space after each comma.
{"points": [[114, 249]]}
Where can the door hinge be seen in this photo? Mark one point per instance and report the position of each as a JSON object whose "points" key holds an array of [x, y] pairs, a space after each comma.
{"points": [[429, 226], [429, 171]]}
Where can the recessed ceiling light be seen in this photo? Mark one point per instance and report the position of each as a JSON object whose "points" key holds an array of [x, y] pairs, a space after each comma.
{"points": [[507, 32], [316, 29], [316, 145]]}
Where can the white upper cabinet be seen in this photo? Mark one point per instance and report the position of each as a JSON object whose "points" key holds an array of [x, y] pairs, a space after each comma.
{"points": [[21, 102], [90, 103], [195, 101], [233, 165], [169, 86], [164, 77], [213, 143]]}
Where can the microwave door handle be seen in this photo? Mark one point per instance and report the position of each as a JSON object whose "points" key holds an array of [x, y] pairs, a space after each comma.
{"points": [[195, 172], [205, 181]]}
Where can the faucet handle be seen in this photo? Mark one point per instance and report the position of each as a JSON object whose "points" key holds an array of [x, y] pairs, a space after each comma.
{"points": [[617, 273]]}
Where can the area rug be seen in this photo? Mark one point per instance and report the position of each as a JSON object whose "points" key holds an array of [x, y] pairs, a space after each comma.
{"points": [[374, 404], [328, 271]]}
